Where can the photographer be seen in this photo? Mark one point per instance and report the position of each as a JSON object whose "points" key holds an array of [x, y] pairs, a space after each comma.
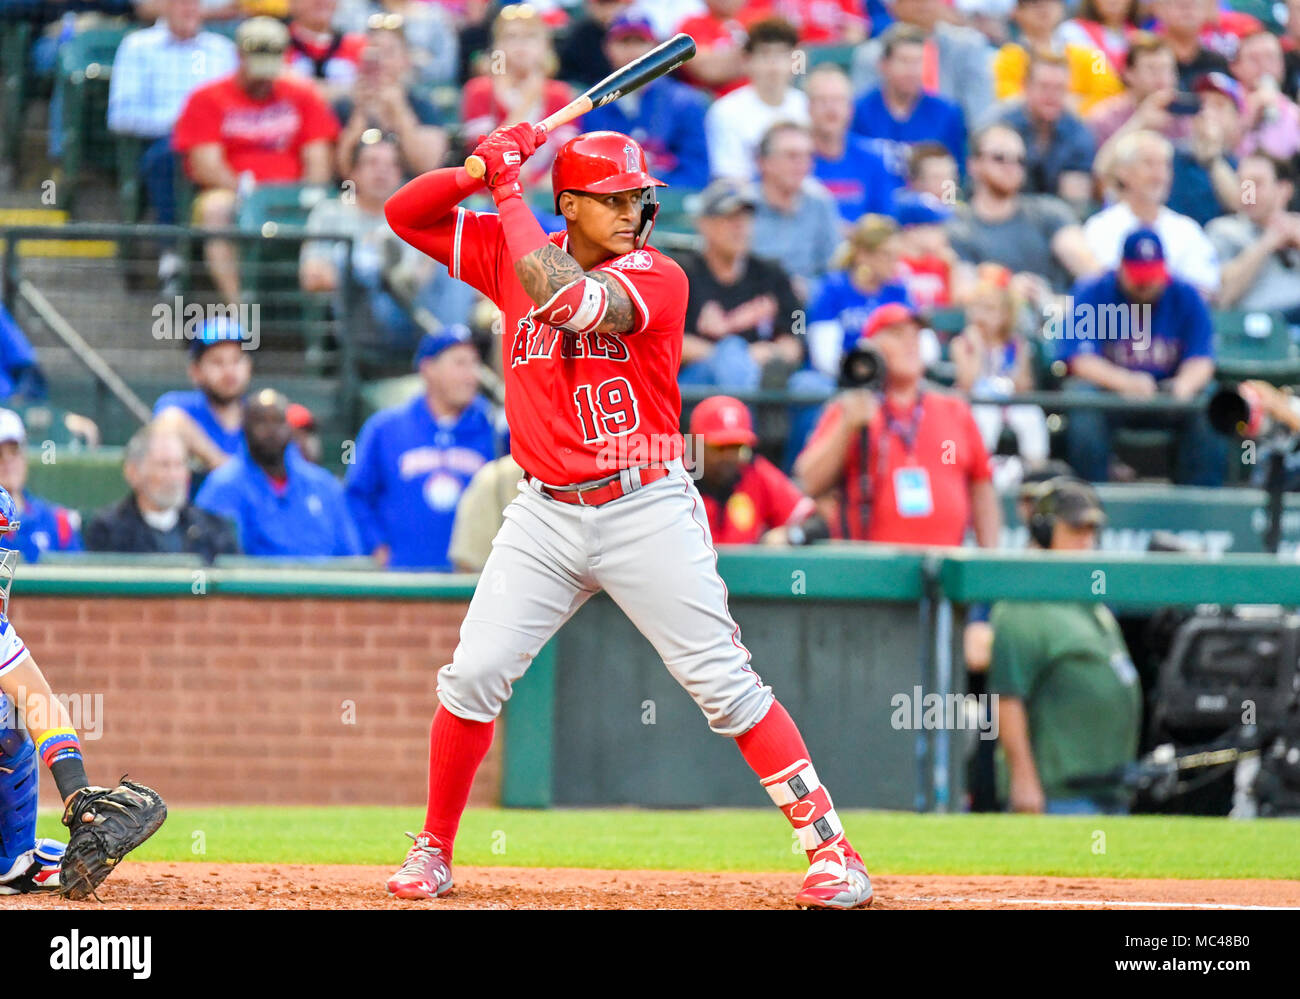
{"points": [[909, 462], [747, 499]]}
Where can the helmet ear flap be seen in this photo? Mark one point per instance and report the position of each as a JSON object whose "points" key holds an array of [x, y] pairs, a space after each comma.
{"points": [[649, 211]]}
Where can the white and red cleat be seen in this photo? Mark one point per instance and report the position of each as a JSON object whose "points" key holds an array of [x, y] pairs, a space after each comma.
{"points": [[426, 872], [837, 878]]}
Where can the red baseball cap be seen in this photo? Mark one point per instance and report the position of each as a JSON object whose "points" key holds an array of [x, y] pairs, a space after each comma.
{"points": [[300, 417], [1143, 258], [889, 315], [722, 420]]}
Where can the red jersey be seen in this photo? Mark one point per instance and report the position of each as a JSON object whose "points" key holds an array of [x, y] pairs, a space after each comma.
{"points": [[928, 281], [817, 21], [711, 33], [579, 407], [764, 498], [264, 137], [920, 481]]}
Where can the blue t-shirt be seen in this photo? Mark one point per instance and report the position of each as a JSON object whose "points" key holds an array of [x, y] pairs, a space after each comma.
{"points": [[1155, 340], [308, 518], [408, 477], [195, 403], [860, 180], [840, 301], [44, 527], [933, 118], [1192, 191]]}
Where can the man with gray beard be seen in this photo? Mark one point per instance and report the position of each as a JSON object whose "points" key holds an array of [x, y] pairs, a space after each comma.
{"points": [[156, 516]]}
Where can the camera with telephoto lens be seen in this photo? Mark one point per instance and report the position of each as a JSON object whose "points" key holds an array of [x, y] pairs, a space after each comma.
{"points": [[863, 367]]}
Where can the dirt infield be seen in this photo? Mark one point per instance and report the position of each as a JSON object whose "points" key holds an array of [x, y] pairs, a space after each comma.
{"points": [[281, 886]]}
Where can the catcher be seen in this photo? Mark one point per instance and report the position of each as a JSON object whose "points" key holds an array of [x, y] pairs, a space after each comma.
{"points": [[104, 825]]}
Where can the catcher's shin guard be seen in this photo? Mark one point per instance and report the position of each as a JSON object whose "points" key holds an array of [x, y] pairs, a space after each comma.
{"points": [[19, 782], [105, 825]]}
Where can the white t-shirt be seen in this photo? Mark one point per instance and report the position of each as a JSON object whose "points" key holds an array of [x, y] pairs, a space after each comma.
{"points": [[1189, 253], [735, 123], [12, 649]]}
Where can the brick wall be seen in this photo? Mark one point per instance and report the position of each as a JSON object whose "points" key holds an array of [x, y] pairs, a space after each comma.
{"points": [[216, 699]]}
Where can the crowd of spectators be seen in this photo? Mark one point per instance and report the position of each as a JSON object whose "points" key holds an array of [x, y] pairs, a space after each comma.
{"points": [[845, 171]]}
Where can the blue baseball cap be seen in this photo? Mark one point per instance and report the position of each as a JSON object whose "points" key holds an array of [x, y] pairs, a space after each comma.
{"points": [[631, 24], [1143, 259], [919, 208], [215, 330], [433, 344]]}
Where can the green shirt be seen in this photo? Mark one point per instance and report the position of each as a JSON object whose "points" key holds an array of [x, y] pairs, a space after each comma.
{"points": [[1068, 663]]}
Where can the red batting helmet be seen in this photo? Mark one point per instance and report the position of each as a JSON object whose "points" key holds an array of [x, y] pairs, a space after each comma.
{"points": [[604, 163]]}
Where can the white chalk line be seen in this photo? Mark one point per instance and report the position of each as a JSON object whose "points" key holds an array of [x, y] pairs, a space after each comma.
{"points": [[1094, 901]]}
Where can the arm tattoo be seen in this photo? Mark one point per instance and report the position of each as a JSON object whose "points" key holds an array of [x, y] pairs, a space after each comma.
{"points": [[548, 269], [545, 271], [620, 316]]}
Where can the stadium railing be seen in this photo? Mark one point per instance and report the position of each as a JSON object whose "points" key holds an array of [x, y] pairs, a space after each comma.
{"points": [[93, 295]]}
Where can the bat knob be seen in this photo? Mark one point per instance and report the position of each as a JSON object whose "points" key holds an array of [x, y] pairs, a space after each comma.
{"points": [[475, 167]]}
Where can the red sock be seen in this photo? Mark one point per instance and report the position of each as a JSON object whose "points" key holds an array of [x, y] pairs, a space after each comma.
{"points": [[773, 744], [456, 748]]}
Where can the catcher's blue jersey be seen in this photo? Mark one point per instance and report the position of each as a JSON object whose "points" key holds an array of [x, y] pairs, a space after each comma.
{"points": [[12, 650]]}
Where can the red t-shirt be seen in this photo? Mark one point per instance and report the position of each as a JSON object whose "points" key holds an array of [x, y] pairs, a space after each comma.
{"points": [[339, 56], [579, 407], [928, 281], [764, 498], [712, 33], [264, 137], [920, 495], [481, 112], [817, 21]]}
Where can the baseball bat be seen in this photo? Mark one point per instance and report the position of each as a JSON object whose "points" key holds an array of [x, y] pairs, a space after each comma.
{"points": [[663, 58]]}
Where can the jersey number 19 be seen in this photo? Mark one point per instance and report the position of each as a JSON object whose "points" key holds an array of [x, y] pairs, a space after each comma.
{"points": [[606, 410]]}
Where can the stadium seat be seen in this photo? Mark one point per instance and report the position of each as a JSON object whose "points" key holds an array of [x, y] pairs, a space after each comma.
{"points": [[130, 191], [1252, 344], [840, 55], [947, 321], [1272, 15], [269, 267], [15, 44], [82, 480], [85, 67]]}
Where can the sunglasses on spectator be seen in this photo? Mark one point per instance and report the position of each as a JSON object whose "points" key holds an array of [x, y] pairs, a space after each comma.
{"points": [[385, 22], [1005, 158]]}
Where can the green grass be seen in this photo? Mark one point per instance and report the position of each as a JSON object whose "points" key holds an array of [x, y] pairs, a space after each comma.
{"points": [[739, 840]]}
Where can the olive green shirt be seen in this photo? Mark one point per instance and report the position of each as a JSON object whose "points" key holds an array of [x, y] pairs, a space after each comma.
{"points": [[1067, 662]]}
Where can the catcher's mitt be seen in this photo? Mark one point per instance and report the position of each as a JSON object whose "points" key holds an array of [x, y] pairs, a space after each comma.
{"points": [[105, 826]]}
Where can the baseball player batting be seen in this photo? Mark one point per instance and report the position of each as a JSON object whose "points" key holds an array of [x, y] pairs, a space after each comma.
{"points": [[105, 825], [593, 322]]}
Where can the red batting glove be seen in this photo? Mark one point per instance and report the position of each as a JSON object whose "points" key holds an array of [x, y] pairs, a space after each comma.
{"points": [[508, 147]]}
